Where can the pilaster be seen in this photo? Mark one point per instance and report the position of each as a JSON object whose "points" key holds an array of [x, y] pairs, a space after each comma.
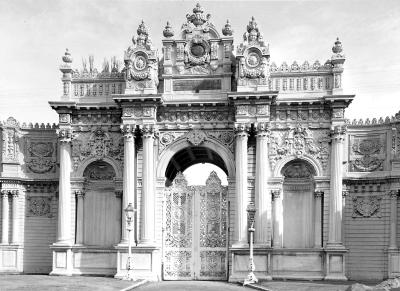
{"points": [[318, 218], [4, 217], [278, 218], [80, 195], [241, 135], [263, 221]]}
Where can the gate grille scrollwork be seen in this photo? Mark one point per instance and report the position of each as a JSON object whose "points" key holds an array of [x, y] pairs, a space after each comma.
{"points": [[195, 239]]}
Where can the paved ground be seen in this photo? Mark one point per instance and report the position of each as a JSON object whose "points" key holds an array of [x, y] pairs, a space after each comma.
{"points": [[221, 286], [58, 283]]}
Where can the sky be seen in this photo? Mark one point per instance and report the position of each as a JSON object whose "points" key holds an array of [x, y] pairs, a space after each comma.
{"points": [[34, 35]]}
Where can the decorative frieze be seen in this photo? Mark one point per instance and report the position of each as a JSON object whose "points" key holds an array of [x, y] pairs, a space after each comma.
{"points": [[10, 140], [193, 115], [367, 206]]}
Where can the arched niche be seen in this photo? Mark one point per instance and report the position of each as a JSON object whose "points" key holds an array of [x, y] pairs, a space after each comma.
{"points": [[101, 206], [298, 204], [80, 172]]}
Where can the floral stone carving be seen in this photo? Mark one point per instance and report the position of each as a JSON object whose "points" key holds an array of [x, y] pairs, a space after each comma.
{"points": [[41, 157], [299, 142], [366, 206], [367, 155], [39, 206]]}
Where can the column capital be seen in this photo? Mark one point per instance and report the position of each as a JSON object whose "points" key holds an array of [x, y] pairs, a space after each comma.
{"points": [[64, 134], [80, 194], [262, 129], [128, 130], [345, 193], [14, 193], [337, 132], [242, 129], [4, 194], [275, 194], [318, 194], [148, 130], [118, 193], [394, 194]]}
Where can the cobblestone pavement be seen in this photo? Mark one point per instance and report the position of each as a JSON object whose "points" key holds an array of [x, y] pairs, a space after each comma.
{"points": [[220, 286], [58, 283]]}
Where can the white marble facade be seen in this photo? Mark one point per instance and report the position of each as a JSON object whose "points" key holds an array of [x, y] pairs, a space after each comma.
{"points": [[325, 189]]}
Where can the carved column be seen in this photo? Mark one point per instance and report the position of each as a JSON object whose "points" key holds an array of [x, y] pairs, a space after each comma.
{"points": [[336, 188], [262, 195], [148, 187], [317, 218], [241, 185], [278, 218], [129, 183], [393, 219], [4, 217], [15, 237], [80, 195], [64, 198]]}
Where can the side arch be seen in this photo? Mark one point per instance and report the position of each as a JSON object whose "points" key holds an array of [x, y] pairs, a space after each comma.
{"points": [[117, 168], [314, 163], [181, 144]]}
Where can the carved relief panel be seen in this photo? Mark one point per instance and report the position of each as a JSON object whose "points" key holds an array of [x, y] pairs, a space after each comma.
{"points": [[299, 142], [10, 148], [96, 144], [367, 153], [40, 156]]}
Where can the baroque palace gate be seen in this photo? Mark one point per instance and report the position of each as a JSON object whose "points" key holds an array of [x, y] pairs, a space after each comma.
{"points": [[195, 230]]}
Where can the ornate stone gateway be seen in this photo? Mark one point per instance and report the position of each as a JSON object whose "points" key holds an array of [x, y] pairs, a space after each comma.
{"points": [[195, 236]]}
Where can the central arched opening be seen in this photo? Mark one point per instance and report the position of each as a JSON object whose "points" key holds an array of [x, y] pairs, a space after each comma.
{"points": [[195, 236], [190, 156]]}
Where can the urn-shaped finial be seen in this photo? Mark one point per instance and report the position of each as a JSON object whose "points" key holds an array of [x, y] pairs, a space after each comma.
{"points": [[337, 48], [168, 31], [227, 30], [142, 29], [67, 57]]}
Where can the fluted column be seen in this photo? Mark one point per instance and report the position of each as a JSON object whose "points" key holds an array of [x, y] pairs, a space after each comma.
{"points": [[80, 195], [148, 187], [129, 183], [393, 219], [4, 216], [262, 195], [64, 197], [241, 185], [317, 218], [15, 220], [278, 218], [336, 188]]}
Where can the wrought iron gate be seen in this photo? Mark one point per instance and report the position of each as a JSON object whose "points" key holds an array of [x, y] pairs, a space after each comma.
{"points": [[195, 230]]}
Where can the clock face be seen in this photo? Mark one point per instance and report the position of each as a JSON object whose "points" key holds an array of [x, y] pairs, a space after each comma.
{"points": [[197, 50], [253, 59], [140, 63]]}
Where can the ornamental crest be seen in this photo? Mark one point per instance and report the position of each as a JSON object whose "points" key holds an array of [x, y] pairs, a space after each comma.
{"points": [[367, 206], [99, 145], [196, 137], [252, 58], [141, 64], [299, 142], [367, 155], [41, 157]]}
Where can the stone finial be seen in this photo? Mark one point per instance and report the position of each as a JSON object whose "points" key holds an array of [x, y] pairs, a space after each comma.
{"points": [[67, 57], [168, 31], [227, 30], [197, 18], [337, 48], [142, 29]]}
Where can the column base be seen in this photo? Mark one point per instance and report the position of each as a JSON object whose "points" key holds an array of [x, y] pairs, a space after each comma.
{"points": [[393, 262], [335, 262], [146, 262], [62, 260], [11, 258]]}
